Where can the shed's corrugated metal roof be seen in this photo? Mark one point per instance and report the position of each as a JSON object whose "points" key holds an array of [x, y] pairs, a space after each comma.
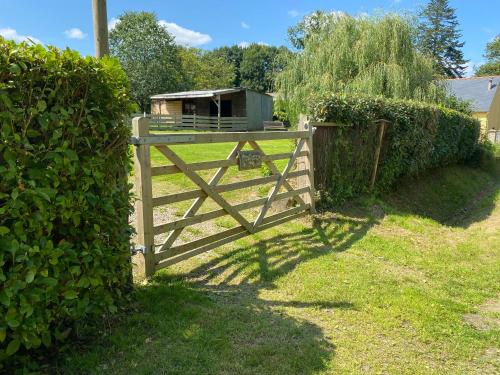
{"points": [[197, 93], [474, 90]]}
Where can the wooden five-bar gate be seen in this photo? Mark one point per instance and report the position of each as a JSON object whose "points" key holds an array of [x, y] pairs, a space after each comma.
{"points": [[295, 182]]}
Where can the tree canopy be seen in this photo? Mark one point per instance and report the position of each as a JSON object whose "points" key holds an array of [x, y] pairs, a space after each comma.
{"points": [[440, 38], [492, 65], [147, 53], [311, 24], [203, 70], [232, 55], [260, 65], [360, 56]]}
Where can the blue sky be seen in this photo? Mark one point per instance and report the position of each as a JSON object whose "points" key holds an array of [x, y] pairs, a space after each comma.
{"points": [[212, 23]]}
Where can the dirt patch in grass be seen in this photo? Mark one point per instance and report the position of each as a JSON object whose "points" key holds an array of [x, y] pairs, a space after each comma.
{"points": [[490, 362], [487, 317]]}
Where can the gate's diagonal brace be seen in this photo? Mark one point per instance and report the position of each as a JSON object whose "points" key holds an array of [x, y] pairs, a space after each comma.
{"points": [[172, 156], [277, 187], [199, 201], [275, 170]]}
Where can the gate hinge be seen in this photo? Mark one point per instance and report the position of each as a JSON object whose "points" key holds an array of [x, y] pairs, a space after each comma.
{"points": [[134, 249]]}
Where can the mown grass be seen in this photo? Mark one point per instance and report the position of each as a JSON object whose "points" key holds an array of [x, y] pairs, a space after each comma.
{"points": [[378, 286]]}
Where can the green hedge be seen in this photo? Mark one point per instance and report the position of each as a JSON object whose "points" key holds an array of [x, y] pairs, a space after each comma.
{"points": [[64, 193], [420, 136]]}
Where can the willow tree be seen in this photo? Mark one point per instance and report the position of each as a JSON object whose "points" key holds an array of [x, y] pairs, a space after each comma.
{"points": [[373, 56]]}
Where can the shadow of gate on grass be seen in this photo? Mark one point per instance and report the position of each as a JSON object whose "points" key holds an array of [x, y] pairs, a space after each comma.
{"points": [[182, 328], [212, 320], [275, 256]]}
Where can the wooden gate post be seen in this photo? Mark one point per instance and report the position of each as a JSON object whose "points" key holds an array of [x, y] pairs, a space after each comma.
{"points": [[307, 163], [144, 262]]}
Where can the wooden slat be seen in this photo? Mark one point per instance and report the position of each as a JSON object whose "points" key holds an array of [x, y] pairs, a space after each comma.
{"points": [[273, 167], [219, 240], [205, 187], [143, 208], [277, 187], [191, 194], [199, 202], [307, 163], [194, 138], [316, 124], [218, 213], [172, 169]]}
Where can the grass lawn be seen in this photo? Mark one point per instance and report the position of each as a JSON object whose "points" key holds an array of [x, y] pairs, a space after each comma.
{"points": [[408, 283]]}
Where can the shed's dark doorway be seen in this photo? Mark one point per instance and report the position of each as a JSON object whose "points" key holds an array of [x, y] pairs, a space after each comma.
{"points": [[226, 108]]}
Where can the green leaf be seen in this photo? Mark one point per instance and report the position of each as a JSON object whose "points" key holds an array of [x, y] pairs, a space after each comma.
{"points": [[72, 155], [41, 105], [46, 339], [14, 68], [30, 276], [13, 323], [70, 294], [3, 334], [4, 298], [4, 230], [13, 347]]}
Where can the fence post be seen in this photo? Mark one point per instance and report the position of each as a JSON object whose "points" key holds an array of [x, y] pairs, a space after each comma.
{"points": [[144, 263], [307, 163], [376, 157]]}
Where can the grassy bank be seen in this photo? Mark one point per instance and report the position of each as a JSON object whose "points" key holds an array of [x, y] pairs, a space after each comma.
{"points": [[403, 284]]}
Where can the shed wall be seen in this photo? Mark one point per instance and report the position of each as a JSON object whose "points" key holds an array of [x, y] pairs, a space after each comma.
{"points": [[166, 107], [259, 109]]}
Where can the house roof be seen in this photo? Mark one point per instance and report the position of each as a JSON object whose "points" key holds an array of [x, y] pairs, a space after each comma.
{"points": [[197, 93], [474, 90]]}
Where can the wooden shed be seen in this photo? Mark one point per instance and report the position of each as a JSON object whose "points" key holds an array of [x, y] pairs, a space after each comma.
{"points": [[234, 109]]}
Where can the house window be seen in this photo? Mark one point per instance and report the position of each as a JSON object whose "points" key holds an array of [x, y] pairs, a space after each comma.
{"points": [[188, 107]]}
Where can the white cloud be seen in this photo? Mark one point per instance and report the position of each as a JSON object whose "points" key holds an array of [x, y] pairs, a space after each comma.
{"points": [[186, 37], [293, 13], [9, 33], [112, 23], [471, 66], [75, 33], [245, 44], [244, 25]]}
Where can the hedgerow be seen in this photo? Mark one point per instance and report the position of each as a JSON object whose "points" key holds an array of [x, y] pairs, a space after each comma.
{"points": [[64, 194], [419, 136]]}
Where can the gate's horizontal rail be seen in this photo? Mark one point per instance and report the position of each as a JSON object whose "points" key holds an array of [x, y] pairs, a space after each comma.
{"points": [[182, 223], [192, 138], [192, 194], [182, 252], [172, 169]]}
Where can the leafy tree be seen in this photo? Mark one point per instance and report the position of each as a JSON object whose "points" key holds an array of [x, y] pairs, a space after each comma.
{"points": [[203, 70], [148, 55], [359, 56], [309, 25], [232, 55], [440, 38], [492, 65], [260, 65]]}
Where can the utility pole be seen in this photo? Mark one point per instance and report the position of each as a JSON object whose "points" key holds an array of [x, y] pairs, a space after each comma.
{"points": [[100, 28]]}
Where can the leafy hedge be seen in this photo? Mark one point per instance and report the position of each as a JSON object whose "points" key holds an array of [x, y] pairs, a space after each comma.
{"points": [[64, 194], [420, 136]]}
